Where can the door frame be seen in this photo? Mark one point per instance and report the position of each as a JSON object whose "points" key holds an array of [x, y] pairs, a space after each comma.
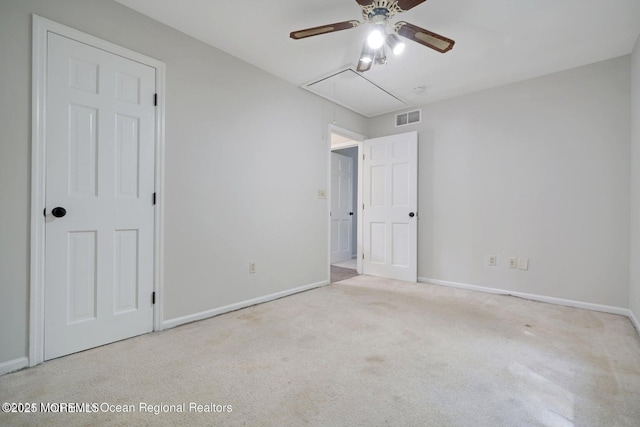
{"points": [[41, 27], [358, 142]]}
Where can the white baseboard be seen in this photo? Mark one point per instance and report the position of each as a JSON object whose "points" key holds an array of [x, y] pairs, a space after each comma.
{"points": [[172, 323], [635, 321], [542, 298], [13, 365]]}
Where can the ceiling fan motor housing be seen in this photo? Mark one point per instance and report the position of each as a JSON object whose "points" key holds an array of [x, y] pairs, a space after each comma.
{"points": [[380, 10], [378, 14]]}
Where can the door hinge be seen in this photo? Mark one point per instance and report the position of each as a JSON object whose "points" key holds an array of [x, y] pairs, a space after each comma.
{"points": [[154, 198], [363, 157], [363, 206], [153, 298], [44, 212], [155, 99], [363, 255]]}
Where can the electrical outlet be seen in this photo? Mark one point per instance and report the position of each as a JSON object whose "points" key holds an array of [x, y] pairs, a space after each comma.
{"points": [[322, 194], [492, 260], [523, 263], [513, 262], [252, 267]]}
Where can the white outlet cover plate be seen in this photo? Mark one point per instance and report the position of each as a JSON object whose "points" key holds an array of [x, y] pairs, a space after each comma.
{"points": [[523, 263], [513, 262]]}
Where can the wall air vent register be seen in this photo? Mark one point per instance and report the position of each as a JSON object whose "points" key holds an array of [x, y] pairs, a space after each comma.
{"points": [[408, 118]]}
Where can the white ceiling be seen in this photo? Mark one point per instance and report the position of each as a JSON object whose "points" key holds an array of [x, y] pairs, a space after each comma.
{"points": [[497, 41]]}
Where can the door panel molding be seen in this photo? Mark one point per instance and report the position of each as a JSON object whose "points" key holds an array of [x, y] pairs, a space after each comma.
{"points": [[41, 28]]}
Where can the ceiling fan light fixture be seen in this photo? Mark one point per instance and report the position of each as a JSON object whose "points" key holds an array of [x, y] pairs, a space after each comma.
{"points": [[366, 56], [376, 37], [397, 46], [380, 56]]}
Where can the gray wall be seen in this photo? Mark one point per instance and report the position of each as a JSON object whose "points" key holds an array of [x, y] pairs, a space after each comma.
{"points": [[537, 169], [634, 263], [242, 149]]}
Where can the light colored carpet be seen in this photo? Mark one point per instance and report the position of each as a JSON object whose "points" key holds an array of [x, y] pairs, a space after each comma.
{"points": [[364, 352]]}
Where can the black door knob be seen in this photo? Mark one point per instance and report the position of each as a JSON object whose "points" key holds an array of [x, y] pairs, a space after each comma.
{"points": [[351, 213], [59, 212], [411, 214]]}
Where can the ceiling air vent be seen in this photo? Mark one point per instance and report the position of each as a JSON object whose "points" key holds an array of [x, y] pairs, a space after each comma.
{"points": [[408, 118]]}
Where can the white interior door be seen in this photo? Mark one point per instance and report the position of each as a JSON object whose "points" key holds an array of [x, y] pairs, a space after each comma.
{"points": [[100, 169], [341, 207], [390, 199]]}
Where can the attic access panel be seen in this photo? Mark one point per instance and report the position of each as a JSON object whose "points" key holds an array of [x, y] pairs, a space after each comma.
{"points": [[349, 89]]}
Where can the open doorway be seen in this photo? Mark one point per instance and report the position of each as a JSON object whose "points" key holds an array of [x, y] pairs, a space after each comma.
{"points": [[344, 215], [387, 201]]}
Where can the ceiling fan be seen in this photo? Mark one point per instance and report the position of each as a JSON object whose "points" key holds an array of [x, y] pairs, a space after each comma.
{"points": [[378, 13]]}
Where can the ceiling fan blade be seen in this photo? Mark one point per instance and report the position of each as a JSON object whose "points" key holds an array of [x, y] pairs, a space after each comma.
{"points": [[323, 29], [424, 37], [408, 4]]}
